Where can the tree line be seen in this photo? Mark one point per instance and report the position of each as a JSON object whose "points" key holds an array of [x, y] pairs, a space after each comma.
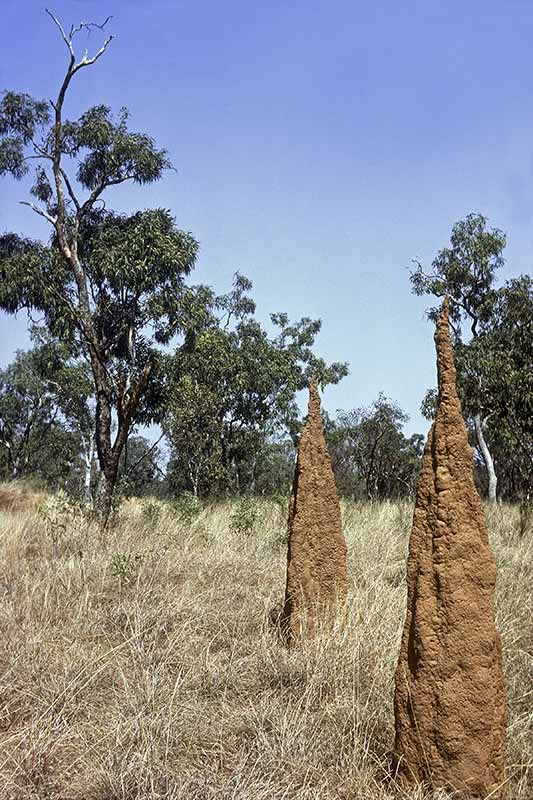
{"points": [[124, 339]]}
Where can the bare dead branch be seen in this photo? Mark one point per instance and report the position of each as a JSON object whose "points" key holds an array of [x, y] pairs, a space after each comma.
{"points": [[102, 26], [85, 61], [40, 211], [89, 25], [32, 158], [66, 39], [74, 29]]}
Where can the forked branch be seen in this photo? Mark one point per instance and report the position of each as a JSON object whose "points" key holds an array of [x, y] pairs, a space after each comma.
{"points": [[85, 61]]}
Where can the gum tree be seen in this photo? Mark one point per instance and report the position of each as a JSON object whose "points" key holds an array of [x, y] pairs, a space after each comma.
{"points": [[233, 393], [111, 285], [500, 359], [371, 456], [465, 272]]}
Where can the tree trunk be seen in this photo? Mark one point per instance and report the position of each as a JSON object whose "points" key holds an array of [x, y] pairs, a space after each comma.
{"points": [[252, 479], [103, 503], [487, 458], [88, 458], [526, 517]]}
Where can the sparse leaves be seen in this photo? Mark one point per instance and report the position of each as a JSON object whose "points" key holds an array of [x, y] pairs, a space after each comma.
{"points": [[42, 188], [465, 272], [21, 116], [108, 153], [233, 388], [495, 363]]}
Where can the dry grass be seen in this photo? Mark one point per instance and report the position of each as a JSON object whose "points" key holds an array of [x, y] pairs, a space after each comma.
{"points": [[142, 665], [18, 496]]}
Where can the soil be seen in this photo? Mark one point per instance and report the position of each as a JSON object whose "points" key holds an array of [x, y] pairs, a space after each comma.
{"points": [[450, 700], [316, 561]]}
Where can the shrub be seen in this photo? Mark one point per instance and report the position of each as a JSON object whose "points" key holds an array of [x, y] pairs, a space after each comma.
{"points": [[244, 517]]}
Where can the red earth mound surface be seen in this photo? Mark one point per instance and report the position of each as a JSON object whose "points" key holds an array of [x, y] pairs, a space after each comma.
{"points": [[450, 701], [316, 562]]}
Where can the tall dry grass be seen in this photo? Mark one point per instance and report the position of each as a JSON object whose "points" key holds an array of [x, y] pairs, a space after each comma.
{"points": [[142, 664]]}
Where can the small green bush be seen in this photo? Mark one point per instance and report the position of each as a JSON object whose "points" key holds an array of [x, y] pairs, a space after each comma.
{"points": [[62, 517], [151, 511], [187, 507], [244, 517], [124, 566]]}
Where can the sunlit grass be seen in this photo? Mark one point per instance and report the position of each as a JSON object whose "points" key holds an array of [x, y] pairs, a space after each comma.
{"points": [[142, 664]]}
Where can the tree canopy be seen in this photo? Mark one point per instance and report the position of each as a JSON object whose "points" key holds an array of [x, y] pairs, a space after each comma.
{"points": [[44, 414], [108, 283], [235, 391], [371, 456], [495, 362]]}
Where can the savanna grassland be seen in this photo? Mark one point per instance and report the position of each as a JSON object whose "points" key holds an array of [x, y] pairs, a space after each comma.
{"points": [[144, 664]]}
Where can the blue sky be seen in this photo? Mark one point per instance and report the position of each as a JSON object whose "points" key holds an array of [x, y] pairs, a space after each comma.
{"points": [[320, 147]]}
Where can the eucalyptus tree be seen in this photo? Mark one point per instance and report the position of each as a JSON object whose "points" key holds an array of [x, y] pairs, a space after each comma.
{"points": [[371, 456], [111, 285], [465, 272], [500, 360], [234, 393], [45, 413]]}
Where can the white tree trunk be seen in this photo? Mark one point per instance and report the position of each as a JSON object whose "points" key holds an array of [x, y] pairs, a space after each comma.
{"points": [[88, 458], [487, 458]]}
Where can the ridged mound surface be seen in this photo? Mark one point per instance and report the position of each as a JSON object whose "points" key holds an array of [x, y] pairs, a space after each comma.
{"points": [[316, 561], [450, 701]]}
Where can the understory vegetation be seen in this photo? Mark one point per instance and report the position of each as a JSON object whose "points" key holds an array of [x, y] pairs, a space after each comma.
{"points": [[143, 663]]}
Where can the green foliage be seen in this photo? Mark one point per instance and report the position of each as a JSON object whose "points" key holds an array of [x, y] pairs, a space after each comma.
{"points": [[134, 268], [371, 457], [21, 116], [139, 468], [233, 393], [496, 380], [274, 468], [494, 366], [107, 152], [151, 511], [62, 517], [281, 501], [104, 151], [509, 367], [244, 517], [124, 566], [43, 413], [32, 277], [465, 272], [110, 286], [187, 507]]}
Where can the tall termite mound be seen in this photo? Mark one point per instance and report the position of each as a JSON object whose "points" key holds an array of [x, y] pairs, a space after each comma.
{"points": [[450, 702], [316, 560]]}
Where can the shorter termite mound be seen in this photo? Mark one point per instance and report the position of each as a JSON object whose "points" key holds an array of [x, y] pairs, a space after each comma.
{"points": [[450, 703], [316, 559]]}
